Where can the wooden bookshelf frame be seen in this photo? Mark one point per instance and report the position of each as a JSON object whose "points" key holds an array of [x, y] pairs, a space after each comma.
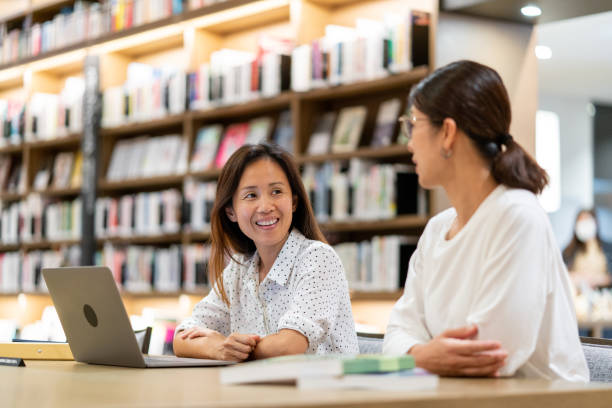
{"points": [[303, 106]]}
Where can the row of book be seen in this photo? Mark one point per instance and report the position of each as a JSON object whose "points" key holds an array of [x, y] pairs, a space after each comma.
{"points": [[198, 204], [43, 116], [12, 174], [63, 170], [21, 271], [145, 156], [148, 214], [84, 20], [148, 93], [36, 218], [363, 190], [379, 264], [370, 50]]}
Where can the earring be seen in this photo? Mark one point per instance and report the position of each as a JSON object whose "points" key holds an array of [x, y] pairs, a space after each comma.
{"points": [[446, 153]]}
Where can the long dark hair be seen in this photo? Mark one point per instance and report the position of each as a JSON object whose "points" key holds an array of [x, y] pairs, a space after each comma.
{"points": [[474, 96], [226, 237], [575, 245]]}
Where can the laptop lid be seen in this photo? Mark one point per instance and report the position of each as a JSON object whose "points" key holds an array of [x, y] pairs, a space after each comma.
{"points": [[92, 314]]}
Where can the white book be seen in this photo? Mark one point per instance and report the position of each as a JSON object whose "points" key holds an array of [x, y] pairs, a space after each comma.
{"points": [[301, 68]]}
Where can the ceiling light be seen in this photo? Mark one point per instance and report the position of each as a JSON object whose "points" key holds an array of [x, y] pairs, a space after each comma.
{"points": [[531, 11], [543, 52]]}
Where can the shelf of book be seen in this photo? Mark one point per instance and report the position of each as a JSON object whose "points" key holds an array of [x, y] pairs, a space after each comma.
{"points": [[159, 182], [196, 236], [401, 222], [9, 247], [160, 239], [70, 140], [211, 174], [219, 18], [375, 153]]}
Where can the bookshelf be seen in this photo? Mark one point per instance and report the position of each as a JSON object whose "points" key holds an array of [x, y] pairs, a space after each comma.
{"points": [[187, 40]]}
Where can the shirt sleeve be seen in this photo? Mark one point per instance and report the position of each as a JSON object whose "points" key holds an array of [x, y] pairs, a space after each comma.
{"points": [[407, 321], [319, 287], [210, 312], [510, 300]]}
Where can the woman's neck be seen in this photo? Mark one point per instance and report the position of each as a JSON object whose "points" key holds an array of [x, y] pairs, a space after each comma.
{"points": [[467, 193], [267, 257]]}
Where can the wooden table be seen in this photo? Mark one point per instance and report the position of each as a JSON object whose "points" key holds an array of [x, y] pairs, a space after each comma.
{"points": [[68, 384]]}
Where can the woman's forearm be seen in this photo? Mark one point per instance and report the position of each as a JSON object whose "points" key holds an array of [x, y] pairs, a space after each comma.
{"points": [[285, 342], [200, 347]]}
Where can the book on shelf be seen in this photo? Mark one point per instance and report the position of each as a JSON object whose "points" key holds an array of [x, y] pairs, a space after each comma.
{"points": [[283, 135], [234, 137], [199, 198], [295, 368], [5, 171], [259, 130], [76, 178], [386, 121], [419, 39], [195, 261], [348, 129], [12, 122], [62, 169], [320, 138], [205, 148], [377, 265], [43, 174]]}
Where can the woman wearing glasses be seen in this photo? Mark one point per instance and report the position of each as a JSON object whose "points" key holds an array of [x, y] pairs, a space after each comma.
{"points": [[487, 293]]}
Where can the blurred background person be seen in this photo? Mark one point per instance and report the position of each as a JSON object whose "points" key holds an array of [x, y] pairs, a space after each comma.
{"points": [[585, 255]]}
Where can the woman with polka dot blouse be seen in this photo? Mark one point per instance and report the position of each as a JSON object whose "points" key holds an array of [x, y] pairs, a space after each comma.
{"points": [[278, 287]]}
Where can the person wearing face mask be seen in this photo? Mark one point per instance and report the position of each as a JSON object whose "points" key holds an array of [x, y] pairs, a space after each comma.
{"points": [[584, 255]]}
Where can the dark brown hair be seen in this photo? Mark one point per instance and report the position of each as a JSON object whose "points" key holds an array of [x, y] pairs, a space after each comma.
{"points": [[474, 96], [226, 237], [575, 245]]}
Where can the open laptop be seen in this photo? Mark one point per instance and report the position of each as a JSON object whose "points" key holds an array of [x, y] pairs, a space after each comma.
{"points": [[96, 324]]}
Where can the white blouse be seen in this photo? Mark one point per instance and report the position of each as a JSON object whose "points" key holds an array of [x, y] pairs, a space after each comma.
{"points": [[503, 272], [305, 290]]}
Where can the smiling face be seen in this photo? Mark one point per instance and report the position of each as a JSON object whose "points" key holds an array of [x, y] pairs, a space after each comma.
{"points": [[263, 205]]}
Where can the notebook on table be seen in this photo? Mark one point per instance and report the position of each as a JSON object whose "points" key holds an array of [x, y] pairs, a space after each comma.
{"points": [[96, 324]]}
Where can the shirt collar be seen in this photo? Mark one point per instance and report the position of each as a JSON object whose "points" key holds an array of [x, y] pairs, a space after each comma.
{"points": [[283, 265]]}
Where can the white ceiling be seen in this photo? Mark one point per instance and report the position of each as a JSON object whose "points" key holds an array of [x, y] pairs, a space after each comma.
{"points": [[581, 63]]}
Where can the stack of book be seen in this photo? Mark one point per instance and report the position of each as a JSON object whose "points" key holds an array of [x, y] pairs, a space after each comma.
{"points": [[12, 121], [214, 145], [144, 156], [234, 76], [199, 201], [143, 268], [195, 269], [363, 190], [151, 213], [148, 93], [12, 174], [371, 50], [366, 371], [49, 116], [377, 265]]}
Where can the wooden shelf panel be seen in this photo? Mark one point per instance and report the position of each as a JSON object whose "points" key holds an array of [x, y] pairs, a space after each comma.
{"points": [[11, 149], [48, 244], [70, 140], [397, 223], [364, 296], [394, 151], [391, 82], [248, 15], [142, 127], [59, 192], [144, 239], [263, 105], [197, 236], [161, 182], [9, 247], [11, 196], [212, 174]]}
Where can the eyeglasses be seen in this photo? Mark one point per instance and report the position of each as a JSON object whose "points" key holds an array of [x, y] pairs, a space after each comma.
{"points": [[407, 123]]}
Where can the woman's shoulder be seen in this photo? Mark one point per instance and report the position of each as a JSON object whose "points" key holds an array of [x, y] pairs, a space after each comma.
{"points": [[519, 202]]}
